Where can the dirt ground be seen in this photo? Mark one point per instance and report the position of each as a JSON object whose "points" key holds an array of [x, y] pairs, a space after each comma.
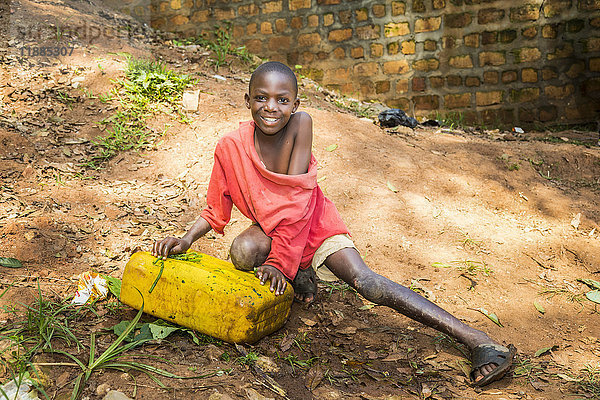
{"points": [[471, 219]]}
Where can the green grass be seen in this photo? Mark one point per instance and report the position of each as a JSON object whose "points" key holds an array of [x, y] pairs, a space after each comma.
{"points": [[354, 106], [469, 266], [219, 43], [590, 380], [147, 84]]}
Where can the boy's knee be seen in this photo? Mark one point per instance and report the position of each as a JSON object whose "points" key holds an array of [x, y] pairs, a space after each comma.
{"points": [[243, 253], [371, 287]]}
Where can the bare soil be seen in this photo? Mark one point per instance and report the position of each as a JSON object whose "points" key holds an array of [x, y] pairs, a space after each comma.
{"points": [[476, 219]]}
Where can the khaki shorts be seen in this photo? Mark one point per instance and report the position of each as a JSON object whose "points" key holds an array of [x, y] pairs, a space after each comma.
{"points": [[327, 248]]}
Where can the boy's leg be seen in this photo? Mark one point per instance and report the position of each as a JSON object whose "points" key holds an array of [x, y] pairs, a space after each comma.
{"points": [[348, 265], [251, 248]]}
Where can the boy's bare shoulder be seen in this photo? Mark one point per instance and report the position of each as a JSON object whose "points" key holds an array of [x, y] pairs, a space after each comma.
{"points": [[301, 124]]}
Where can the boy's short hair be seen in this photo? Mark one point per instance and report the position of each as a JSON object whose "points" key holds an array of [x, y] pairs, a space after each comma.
{"points": [[274, 66]]}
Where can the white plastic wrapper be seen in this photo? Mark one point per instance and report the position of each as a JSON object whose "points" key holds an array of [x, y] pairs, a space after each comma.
{"points": [[91, 287]]}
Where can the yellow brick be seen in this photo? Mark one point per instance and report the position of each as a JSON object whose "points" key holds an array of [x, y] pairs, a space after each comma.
{"points": [[529, 75], [396, 67], [313, 20], [428, 24], [366, 69], [408, 47], [396, 29], [488, 98], [327, 19], [558, 92], [272, 7], [339, 35], [376, 50], [175, 4], [298, 4], [266, 28], [491, 58], [461, 61], [309, 39]]}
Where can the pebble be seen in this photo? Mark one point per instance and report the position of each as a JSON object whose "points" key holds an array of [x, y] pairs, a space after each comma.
{"points": [[102, 389], [115, 395]]}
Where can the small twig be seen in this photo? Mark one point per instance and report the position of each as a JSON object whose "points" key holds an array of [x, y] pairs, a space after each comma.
{"points": [[540, 263], [57, 364]]}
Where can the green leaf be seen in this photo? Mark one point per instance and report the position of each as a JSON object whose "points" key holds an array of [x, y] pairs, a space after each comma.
{"points": [[114, 285], [9, 262], [539, 307], [545, 350], [145, 333], [493, 317], [392, 187], [591, 283], [161, 332], [441, 265], [594, 296], [331, 147]]}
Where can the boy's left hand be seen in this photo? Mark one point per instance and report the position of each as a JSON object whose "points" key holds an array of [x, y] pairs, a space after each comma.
{"points": [[278, 281]]}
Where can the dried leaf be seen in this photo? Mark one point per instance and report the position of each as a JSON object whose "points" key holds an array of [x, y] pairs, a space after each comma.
{"points": [[568, 378], [594, 296], [591, 283], [308, 321], [321, 179], [576, 221], [392, 187], [349, 330], [367, 306], [395, 357], [539, 307], [9, 262], [287, 342], [314, 377], [545, 350], [331, 147], [493, 317]]}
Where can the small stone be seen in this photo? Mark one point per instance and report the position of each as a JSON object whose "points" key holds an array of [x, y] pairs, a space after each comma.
{"points": [[190, 100], [115, 395], [102, 389]]}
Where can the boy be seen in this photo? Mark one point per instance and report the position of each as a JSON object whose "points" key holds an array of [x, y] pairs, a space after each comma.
{"points": [[267, 170]]}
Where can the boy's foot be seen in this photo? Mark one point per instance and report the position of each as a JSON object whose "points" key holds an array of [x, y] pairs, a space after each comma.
{"points": [[490, 362], [305, 285]]}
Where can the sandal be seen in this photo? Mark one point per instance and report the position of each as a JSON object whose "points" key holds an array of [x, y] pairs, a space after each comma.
{"points": [[485, 354], [305, 283]]}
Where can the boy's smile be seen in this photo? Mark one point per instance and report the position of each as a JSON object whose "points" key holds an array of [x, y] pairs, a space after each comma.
{"points": [[272, 100]]}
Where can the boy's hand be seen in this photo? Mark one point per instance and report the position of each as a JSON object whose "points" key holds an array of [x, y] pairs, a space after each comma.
{"points": [[278, 281], [170, 245]]}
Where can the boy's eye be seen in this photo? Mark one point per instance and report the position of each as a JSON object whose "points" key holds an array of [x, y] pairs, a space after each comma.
{"points": [[260, 98], [283, 100]]}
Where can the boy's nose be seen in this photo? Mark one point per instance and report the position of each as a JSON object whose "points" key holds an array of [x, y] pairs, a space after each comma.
{"points": [[271, 105]]}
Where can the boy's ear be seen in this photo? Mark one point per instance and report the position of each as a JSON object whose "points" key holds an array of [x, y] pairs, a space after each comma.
{"points": [[247, 100], [296, 104]]}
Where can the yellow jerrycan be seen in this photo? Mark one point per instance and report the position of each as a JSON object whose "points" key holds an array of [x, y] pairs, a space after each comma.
{"points": [[206, 294]]}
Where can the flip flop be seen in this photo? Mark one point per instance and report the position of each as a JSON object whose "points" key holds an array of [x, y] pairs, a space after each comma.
{"points": [[491, 354], [305, 282]]}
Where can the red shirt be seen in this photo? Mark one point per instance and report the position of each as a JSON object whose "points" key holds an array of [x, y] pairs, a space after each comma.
{"points": [[290, 209]]}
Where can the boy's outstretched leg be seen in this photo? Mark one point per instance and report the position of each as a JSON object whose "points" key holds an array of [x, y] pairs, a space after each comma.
{"points": [[489, 359], [251, 248]]}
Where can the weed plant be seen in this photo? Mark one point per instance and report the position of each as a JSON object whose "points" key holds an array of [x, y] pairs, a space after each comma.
{"points": [[220, 45], [147, 84]]}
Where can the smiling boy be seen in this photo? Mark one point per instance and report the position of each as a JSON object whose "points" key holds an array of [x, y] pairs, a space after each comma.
{"points": [[267, 170]]}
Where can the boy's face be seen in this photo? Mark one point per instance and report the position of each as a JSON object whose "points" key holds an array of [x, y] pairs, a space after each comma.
{"points": [[272, 100]]}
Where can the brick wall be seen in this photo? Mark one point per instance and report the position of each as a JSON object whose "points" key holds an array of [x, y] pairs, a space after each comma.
{"points": [[511, 62]]}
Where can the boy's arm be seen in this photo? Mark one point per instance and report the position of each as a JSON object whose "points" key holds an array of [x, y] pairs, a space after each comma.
{"points": [[171, 245], [300, 126]]}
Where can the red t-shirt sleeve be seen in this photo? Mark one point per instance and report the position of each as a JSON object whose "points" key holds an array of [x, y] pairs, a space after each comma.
{"points": [[218, 200]]}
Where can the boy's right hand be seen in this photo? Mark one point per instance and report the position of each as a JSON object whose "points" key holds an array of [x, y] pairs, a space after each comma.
{"points": [[169, 245]]}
